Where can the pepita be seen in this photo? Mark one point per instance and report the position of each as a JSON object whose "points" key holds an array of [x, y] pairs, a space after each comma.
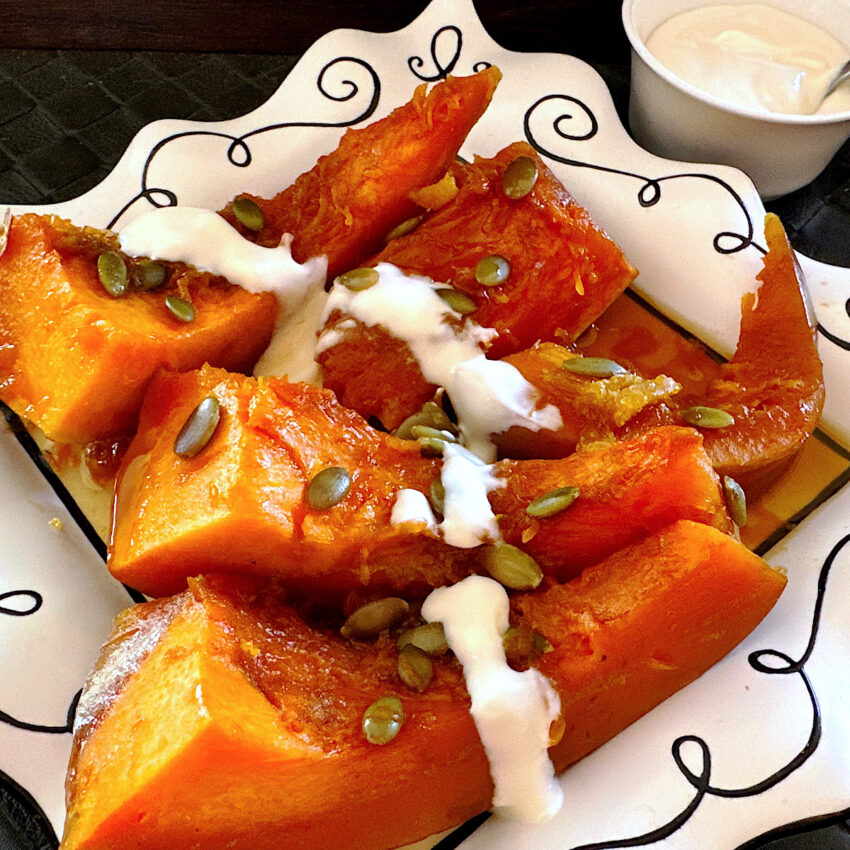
{"points": [[369, 620], [248, 214], [429, 637], [432, 415], [736, 500], [519, 177], [553, 502], [523, 645], [150, 274], [383, 720], [437, 496], [199, 428], [112, 272], [431, 446], [418, 431], [701, 416], [179, 308], [459, 301], [359, 279], [328, 487], [511, 567], [407, 226], [594, 367], [492, 270], [414, 668]]}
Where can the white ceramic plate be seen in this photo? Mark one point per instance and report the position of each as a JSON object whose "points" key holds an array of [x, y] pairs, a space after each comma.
{"points": [[756, 749]]}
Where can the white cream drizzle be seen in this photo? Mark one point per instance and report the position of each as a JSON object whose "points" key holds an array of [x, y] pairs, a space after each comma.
{"points": [[205, 240], [489, 396], [468, 519], [412, 506], [512, 710]]}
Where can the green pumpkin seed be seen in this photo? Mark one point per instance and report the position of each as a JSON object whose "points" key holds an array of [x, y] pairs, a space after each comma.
{"points": [[359, 279], [437, 496], [383, 720], [112, 271], [150, 274], [431, 415], [736, 500], [414, 668], [553, 502], [492, 270], [328, 487], [431, 446], [522, 645], [369, 620], [429, 637], [407, 226], [179, 308], [199, 428], [519, 177], [511, 567], [594, 367], [248, 214], [418, 431], [459, 301], [707, 417]]}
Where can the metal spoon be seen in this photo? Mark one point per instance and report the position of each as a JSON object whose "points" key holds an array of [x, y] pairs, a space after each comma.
{"points": [[841, 76]]}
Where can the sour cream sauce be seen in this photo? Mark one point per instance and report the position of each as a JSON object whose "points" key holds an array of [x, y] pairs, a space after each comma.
{"points": [[205, 240], [512, 711], [489, 396], [754, 56]]}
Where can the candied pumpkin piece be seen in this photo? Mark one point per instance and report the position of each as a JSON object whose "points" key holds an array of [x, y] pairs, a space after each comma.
{"points": [[564, 272], [627, 490], [240, 503], [75, 361], [773, 386], [238, 724], [642, 624], [345, 206]]}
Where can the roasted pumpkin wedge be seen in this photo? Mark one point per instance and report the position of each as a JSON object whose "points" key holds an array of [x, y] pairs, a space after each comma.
{"points": [[221, 719], [535, 267], [243, 500], [348, 203], [772, 388], [75, 359]]}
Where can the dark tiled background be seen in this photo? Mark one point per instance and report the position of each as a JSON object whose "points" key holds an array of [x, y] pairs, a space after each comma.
{"points": [[66, 116]]}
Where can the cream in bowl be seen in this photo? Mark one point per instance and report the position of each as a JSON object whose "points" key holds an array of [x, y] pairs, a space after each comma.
{"points": [[741, 84]]}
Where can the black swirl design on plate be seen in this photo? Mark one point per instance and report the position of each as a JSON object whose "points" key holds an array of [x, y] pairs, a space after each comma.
{"points": [[448, 35], [238, 152], [24, 603], [23, 823], [577, 123], [771, 662]]}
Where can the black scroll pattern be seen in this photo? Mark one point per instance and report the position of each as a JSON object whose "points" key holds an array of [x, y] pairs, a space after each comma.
{"points": [[447, 35], [578, 123], [238, 152], [770, 662], [649, 191], [24, 603]]}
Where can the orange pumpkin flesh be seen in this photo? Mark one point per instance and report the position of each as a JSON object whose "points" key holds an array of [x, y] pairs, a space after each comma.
{"points": [[240, 727], [352, 198], [76, 361], [239, 504], [564, 272], [773, 386]]}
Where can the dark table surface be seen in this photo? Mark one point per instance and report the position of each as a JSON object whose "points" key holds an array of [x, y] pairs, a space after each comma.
{"points": [[67, 114]]}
